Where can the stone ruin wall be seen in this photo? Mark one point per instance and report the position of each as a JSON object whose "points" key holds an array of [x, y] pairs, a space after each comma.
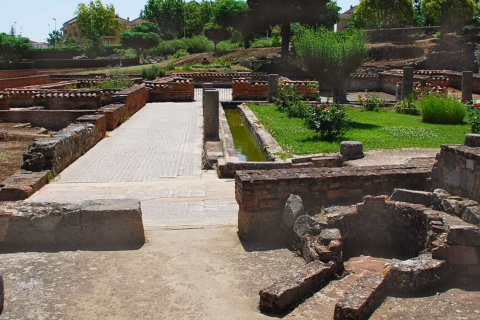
{"points": [[250, 89], [261, 195], [458, 171]]}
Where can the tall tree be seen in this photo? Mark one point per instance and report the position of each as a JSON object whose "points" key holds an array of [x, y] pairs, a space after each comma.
{"points": [[284, 12], [331, 56], [168, 15], [450, 14], [141, 37], [385, 13], [234, 14], [96, 20], [54, 38]]}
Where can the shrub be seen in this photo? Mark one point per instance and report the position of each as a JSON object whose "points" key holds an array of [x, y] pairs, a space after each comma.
{"points": [[152, 73], [115, 80], [371, 101], [180, 53], [291, 103], [440, 108], [197, 44], [407, 106], [328, 120], [473, 112], [262, 43]]}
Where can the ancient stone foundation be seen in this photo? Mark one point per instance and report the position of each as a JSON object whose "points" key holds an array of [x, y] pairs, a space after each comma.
{"points": [[89, 224], [261, 195]]}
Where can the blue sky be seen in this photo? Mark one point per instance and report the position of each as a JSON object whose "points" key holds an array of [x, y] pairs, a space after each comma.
{"points": [[34, 18]]}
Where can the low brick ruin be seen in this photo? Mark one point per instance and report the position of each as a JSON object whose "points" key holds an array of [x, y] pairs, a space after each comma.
{"points": [[427, 236], [175, 88]]}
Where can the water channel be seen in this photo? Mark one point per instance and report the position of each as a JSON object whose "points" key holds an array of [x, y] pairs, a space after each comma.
{"points": [[245, 144]]}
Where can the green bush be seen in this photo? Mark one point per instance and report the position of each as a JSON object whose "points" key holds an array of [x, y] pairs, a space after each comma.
{"points": [[152, 73], [291, 103], [328, 120], [198, 44], [226, 46], [180, 53], [262, 43], [439, 108], [371, 101], [407, 106]]}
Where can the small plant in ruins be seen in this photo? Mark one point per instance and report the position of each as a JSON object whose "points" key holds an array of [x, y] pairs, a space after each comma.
{"points": [[370, 101], [473, 113], [115, 80], [329, 120], [291, 103]]}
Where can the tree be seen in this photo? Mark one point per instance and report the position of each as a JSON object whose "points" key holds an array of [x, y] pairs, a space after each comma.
{"points": [[168, 15], [234, 14], [331, 56], [140, 37], [13, 48], [54, 38], [385, 13], [217, 34], [95, 21], [284, 12], [450, 14]]}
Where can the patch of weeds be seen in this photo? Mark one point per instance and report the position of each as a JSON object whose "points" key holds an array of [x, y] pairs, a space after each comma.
{"points": [[414, 133], [5, 156], [125, 119]]}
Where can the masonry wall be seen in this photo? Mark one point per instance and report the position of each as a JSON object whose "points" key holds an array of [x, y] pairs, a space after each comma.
{"points": [[261, 195], [218, 77], [180, 90], [134, 98], [65, 146], [245, 89], [458, 171], [24, 81], [50, 119]]}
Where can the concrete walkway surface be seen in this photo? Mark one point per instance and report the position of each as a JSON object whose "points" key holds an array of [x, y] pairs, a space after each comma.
{"points": [[193, 265]]}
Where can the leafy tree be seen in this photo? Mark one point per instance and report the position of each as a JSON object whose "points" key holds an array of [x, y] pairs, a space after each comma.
{"points": [[13, 48], [450, 14], [217, 34], [385, 13], [95, 21], [54, 38], [140, 37], [284, 12], [234, 14], [331, 56], [168, 15]]}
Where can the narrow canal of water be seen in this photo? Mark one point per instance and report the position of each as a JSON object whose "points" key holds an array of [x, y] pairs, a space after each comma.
{"points": [[245, 144]]}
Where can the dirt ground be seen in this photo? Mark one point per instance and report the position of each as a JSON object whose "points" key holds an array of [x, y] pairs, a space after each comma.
{"points": [[14, 141]]}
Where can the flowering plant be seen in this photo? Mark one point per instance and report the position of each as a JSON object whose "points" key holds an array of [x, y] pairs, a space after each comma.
{"points": [[473, 113], [371, 101], [327, 119]]}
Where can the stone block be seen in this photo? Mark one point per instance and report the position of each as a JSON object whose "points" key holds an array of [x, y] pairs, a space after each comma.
{"points": [[465, 255], [412, 196], [351, 150], [293, 209], [282, 295], [22, 185], [472, 140], [471, 214], [464, 235], [115, 221], [360, 299]]}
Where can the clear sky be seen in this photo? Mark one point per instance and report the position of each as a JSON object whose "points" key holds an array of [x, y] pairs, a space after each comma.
{"points": [[35, 18]]}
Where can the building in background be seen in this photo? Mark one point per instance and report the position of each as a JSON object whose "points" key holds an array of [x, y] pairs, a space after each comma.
{"points": [[344, 17], [70, 29]]}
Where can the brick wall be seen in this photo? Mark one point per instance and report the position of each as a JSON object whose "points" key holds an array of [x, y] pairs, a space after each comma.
{"points": [[220, 77], [24, 81], [50, 119], [362, 82], [246, 89], [18, 73], [261, 195], [53, 99], [458, 171], [171, 89], [134, 98]]}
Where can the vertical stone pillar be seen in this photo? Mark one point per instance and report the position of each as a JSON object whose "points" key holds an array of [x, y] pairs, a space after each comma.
{"points": [[211, 114], [205, 86], [467, 85], [272, 89], [407, 84]]}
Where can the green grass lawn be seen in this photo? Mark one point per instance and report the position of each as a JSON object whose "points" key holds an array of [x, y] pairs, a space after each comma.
{"points": [[376, 130]]}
